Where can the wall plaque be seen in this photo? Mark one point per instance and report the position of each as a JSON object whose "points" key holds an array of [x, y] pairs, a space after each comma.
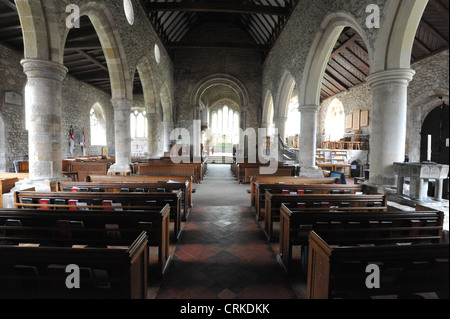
{"points": [[12, 97]]}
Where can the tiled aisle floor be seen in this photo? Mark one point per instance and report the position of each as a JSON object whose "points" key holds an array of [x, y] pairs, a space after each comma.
{"points": [[223, 253]]}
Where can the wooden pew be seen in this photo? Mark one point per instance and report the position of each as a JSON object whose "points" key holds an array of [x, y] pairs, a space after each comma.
{"points": [[249, 172], [253, 169], [145, 179], [93, 201], [85, 169], [310, 188], [169, 168], [320, 201], [339, 271], [37, 272], [66, 227], [388, 227], [285, 180], [117, 187]]}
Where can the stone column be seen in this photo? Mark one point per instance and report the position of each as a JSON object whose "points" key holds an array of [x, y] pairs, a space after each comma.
{"points": [[280, 124], [168, 128], [389, 114], [308, 138], [122, 110], [43, 102], [154, 136]]}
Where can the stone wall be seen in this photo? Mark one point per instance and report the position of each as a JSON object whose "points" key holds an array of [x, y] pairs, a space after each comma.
{"points": [[192, 66], [75, 111], [357, 98], [430, 82], [13, 136]]}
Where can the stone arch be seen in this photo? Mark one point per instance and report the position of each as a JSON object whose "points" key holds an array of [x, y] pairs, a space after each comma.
{"points": [[40, 30], [268, 111], [285, 92], [148, 85], [395, 38], [320, 52], [103, 22], [166, 103], [220, 79]]}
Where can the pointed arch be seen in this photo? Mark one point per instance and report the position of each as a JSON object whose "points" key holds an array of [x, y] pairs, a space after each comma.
{"points": [[144, 69], [320, 52], [40, 29], [395, 39], [268, 111], [104, 25], [220, 79], [285, 93], [166, 103]]}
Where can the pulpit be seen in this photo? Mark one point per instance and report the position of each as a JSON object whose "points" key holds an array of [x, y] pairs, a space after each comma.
{"points": [[419, 175]]}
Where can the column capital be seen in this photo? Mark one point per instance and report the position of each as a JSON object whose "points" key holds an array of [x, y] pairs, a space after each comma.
{"points": [[35, 68], [388, 77], [309, 108], [122, 104]]}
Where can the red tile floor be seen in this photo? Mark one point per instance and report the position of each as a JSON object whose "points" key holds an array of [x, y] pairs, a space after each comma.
{"points": [[224, 254]]}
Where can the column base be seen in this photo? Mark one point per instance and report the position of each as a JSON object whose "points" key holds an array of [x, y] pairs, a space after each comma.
{"points": [[120, 170], [311, 172]]}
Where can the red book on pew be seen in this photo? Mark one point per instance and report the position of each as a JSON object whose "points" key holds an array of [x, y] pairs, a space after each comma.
{"points": [[301, 192], [73, 202], [285, 191], [107, 203], [44, 201], [74, 189]]}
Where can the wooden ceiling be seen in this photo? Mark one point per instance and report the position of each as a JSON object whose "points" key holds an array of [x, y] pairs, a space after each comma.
{"points": [[349, 63], [262, 19]]}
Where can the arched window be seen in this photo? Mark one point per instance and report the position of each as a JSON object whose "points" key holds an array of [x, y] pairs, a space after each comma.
{"points": [[335, 121], [98, 125], [293, 118], [138, 124], [225, 125]]}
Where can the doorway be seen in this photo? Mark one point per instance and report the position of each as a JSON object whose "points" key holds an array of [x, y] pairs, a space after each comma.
{"points": [[436, 126]]}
